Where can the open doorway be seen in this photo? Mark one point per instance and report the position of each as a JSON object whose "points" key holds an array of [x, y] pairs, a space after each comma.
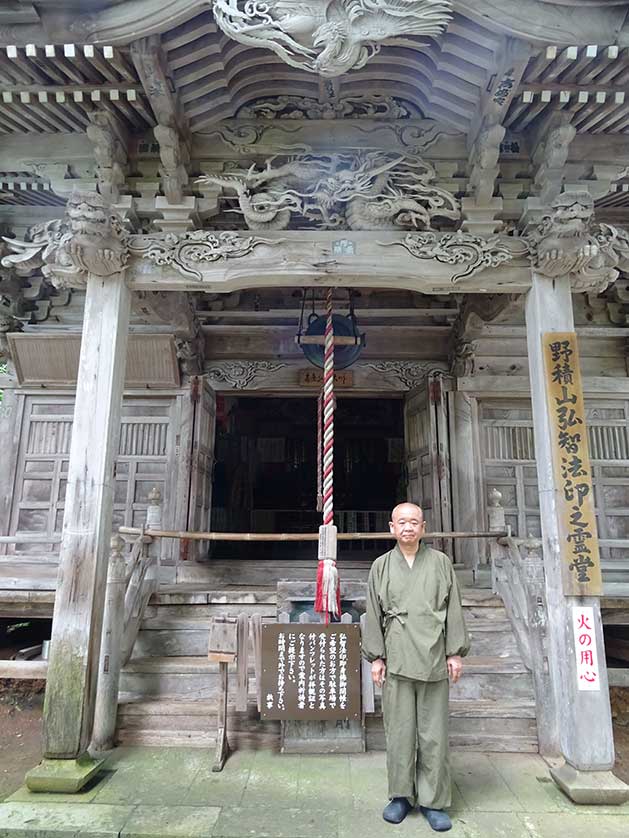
{"points": [[265, 475]]}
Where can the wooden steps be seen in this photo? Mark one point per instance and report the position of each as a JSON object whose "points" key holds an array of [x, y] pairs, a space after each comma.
{"points": [[169, 688]]}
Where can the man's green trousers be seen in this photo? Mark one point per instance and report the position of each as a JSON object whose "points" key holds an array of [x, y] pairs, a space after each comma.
{"points": [[416, 729]]}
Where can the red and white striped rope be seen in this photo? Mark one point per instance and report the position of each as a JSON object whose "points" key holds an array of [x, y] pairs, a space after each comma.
{"points": [[328, 416], [320, 451]]}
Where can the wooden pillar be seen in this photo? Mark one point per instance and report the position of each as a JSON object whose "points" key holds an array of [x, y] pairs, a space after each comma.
{"points": [[467, 504], [583, 718], [80, 596]]}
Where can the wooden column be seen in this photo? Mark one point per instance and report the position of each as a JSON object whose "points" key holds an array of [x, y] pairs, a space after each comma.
{"points": [[79, 602], [583, 720], [467, 505]]}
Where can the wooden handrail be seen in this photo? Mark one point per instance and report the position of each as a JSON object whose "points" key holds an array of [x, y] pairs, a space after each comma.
{"points": [[290, 536]]}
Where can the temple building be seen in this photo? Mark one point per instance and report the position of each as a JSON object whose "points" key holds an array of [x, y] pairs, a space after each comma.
{"points": [[188, 189]]}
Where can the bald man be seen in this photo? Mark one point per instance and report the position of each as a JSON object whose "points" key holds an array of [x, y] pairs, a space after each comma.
{"points": [[415, 638]]}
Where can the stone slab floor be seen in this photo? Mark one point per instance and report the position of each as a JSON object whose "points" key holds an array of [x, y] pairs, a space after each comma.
{"points": [[172, 793]]}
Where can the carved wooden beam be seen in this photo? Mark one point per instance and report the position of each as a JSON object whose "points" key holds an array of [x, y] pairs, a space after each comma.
{"points": [[113, 24], [486, 135], [171, 132], [549, 153], [504, 79], [545, 23], [110, 150]]}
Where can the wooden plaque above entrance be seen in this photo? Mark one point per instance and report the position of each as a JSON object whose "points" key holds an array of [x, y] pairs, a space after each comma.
{"points": [[310, 671], [314, 378]]}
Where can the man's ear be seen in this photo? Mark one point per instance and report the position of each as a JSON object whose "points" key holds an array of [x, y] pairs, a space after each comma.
{"points": [[391, 527]]}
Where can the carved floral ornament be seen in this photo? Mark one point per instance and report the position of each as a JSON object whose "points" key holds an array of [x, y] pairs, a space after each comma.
{"points": [[472, 253], [329, 37], [187, 253], [251, 375], [241, 374], [413, 136]]}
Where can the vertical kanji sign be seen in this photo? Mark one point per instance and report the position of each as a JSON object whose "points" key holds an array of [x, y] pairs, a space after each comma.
{"points": [[588, 676], [580, 566]]}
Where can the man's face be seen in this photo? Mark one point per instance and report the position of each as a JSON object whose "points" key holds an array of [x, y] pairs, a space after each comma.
{"points": [[407, 524]]}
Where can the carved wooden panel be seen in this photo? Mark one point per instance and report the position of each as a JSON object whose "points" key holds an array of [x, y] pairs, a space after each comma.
{"points": [[145, 459]]}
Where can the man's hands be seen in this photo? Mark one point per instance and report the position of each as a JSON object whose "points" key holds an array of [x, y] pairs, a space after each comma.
{"points": [[378, 672], [379, 669], [455, 665]]}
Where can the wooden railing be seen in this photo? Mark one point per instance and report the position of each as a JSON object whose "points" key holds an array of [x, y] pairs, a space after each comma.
{"points": [[131, 582], [517, 571]]}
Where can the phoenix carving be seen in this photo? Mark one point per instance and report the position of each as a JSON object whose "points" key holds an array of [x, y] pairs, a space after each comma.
{"points": [[329, 37]]}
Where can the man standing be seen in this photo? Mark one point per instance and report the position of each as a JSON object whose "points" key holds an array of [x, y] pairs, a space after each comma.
{"points": [[415, 637]]}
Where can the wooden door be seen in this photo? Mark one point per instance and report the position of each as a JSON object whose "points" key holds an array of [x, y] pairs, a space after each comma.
{"points": [[203, 435], [426, 430]]}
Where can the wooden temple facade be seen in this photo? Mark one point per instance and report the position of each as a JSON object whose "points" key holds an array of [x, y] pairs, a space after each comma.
{"points": [[180, 182]]}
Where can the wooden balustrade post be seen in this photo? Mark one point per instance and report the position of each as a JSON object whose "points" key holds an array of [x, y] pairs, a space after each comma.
{"points": [[496, 523], [154, 522], [106, 709]]}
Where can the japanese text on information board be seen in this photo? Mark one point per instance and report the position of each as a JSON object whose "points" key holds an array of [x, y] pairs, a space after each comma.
{"points": [[310, 671]]}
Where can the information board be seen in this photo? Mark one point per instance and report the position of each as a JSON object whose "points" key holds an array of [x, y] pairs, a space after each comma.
{"points": [[310, 671]]}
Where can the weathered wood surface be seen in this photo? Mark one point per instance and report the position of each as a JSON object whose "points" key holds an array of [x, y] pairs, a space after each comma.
{"points": [[35, 604], [305, 258], [223, 637], [242, 678], [412, 343], [549, 309], [77, 623], [368, 695], [28, 669], [111, 652], [53, 359]]}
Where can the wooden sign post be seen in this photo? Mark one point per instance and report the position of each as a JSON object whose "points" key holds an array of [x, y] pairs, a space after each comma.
{"points": [[580, 566]]}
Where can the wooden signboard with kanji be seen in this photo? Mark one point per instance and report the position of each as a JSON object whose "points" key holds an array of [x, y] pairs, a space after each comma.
{"points": [[311, 671], [313, 377], [580, 566]]}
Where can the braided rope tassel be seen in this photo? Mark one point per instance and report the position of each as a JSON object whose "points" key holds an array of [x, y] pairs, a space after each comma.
{"points": [[328, 596]]}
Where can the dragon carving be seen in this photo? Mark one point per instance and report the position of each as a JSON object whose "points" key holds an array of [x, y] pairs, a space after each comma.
{"points": [[372, 190], [568, 242], [329, 37]]}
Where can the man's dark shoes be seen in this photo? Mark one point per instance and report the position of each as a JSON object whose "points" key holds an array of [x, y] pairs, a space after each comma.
{"points": [[396, 810], [437, 818]]}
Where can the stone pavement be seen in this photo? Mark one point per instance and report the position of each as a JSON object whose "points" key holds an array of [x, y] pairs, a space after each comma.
{"points": [[172, 793]]}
